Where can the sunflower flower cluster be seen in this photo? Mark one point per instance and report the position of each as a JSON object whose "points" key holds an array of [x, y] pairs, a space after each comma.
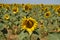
{"points": [[29, 21]]}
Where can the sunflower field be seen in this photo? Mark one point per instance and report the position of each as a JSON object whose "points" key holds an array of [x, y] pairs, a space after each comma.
{"points": [[29, 22]]}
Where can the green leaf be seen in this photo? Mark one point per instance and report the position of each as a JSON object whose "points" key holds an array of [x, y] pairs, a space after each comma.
{"points": [[22, 35], [53, 36], [1, 26]]}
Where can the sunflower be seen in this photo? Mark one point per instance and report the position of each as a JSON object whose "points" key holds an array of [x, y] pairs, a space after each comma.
{"points": [[15, 9], [45, 9], [41, 5], [27, 7], [58, 11], [6, 16], [1, 5], [7, 6], [29, 24], [47, 14]]}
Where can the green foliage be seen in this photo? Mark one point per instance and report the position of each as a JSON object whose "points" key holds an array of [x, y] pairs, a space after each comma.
{"points": [[12, 21]]}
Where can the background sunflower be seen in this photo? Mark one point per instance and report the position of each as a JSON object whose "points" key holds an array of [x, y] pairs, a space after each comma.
{"points": [[58, 11], [40, 21], [47, 14], [6, 16], [15, 9], [27, 7]]}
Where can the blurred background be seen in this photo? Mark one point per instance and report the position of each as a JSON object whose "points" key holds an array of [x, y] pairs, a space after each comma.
{"points": [[31, 1]]}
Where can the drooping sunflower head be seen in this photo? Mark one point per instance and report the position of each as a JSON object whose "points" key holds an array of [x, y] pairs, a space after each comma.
{"points": [[47, 14], [15, 9], [58, 11], [29, 24], [6, 16], [27, 7]]}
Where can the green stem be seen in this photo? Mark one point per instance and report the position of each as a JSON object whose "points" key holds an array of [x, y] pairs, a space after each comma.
{"points": [[30, 36]]}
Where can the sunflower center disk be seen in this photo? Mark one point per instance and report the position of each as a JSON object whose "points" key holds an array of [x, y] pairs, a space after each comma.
{"points": [[47, 14], [26, 8], [14, 10], [58, 10], [6, 16], [29, 24]]}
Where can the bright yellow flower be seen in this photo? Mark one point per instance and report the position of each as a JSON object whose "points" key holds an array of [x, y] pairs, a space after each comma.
{"points": [[41, 5], [27, 7], [1, 5], [7, 6], [6, 16], [15, 9], [45, 9], [47, 14], [29, 24], [58, 11]]}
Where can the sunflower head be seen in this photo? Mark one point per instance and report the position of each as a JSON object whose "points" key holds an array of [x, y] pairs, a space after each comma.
{"points": [[27, 7], [47, 14], [58, 11], [7, 6], [15, 9], [46, 9], [41, 5], [6, 16], [1, 5], [29, 24]]}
